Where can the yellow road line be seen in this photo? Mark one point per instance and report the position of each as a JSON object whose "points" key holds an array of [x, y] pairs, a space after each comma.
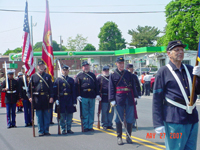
{"points": [[123, 137], [132, 137], [114, 134]]}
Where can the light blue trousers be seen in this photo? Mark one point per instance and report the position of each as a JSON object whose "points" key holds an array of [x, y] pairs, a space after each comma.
{"points": [[66, 120], [88, 106], [181, 136], [106, 117], [43, 117]]}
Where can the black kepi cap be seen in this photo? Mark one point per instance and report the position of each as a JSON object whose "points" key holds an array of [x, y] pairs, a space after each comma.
{"points": [[173, 44], [41, 62], [105, 68], [120, 59], [85, 63]]}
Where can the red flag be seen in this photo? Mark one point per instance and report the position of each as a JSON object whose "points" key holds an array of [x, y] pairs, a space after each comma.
{"points": [[47, 49], [27, 52]]}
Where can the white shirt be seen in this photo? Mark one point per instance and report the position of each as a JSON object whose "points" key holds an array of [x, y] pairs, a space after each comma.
{"points": [[147, 77]]}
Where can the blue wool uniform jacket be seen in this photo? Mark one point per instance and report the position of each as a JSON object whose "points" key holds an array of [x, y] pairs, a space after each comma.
{"points": [[85, 82], [22, 92], [166, 86], [66, 101], [137, 84], [119, 97], [104, 90], [41, 102]]}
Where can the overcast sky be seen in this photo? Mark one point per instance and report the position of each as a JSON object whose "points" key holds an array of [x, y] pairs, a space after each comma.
{"points": [[71, 24]]}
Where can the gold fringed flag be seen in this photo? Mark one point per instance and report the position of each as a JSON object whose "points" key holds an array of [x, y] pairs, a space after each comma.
{"points": [[47, 48]]}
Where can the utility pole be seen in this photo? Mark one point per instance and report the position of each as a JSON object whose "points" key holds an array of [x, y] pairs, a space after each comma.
{"points": [[61, 41]]}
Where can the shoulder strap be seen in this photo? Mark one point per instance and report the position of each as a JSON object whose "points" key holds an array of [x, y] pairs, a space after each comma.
{"points": [[189, 78], [179, 84], [66, 81], [42, 79], [105, 78], [121, 76], [89, 76]]}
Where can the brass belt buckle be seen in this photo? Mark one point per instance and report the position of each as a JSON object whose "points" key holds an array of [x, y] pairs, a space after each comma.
{"points": [[42, 93], [65, 93], [89, 90]]}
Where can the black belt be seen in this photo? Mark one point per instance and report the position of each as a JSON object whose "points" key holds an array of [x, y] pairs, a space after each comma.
{"points": [[87, 90], [40, 93], [180, 101], [64, 94], [104, 93]]}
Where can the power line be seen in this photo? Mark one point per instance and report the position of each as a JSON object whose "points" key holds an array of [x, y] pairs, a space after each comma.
{"points": [[142, 12], [10, 30]]}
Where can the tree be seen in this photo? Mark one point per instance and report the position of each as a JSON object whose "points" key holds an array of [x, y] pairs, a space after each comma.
{"points": [[89, 47], [38, 46], [183, 22], [76, 44], [16, 50], [144, 36], [110, 37]]}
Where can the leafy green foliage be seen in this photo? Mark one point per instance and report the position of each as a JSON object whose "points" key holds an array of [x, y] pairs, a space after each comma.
{"points": [[89, 47], [144, 36], [16, 50], [38, 46], [76, 44], [183, 22], [110, 37]]}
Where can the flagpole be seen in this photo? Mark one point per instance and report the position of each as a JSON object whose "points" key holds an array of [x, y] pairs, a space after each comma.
{"points": [[194, 82]]}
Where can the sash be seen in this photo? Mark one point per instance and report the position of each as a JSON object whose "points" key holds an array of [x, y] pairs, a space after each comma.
{"points": [[42, 79]]}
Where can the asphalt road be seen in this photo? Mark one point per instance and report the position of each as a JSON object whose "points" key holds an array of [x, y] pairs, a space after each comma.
{"points": [[21, 138]]}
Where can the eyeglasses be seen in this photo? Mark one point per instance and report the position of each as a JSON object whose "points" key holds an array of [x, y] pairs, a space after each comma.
{"points": [[178, 50]]}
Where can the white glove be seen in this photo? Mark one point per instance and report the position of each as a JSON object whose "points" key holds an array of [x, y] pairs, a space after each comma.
{"points": [[79, 98], [196, 70], [113, 103], [135, 100], [159, 130], [98, 98], [74, 105], [139, 97], [57, 102]]}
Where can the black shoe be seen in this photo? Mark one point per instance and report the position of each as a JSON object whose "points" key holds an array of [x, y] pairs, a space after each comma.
{"points": [[9, 127], [119, 141], [14, 126], [110, 127], [41, 134], [70, 131], [64, 132], [86, 130], [30, 124], [47, 134], [105, 128], [91, 129], [27, 124], [51, 122]]}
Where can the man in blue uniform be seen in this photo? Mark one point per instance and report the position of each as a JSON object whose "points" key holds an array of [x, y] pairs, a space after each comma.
{"points": [[122, 93], [67, 99], [87, 90], [42, 89], [171, 111], [129, 67], [106, 117], [12, 95], [23, 88]]}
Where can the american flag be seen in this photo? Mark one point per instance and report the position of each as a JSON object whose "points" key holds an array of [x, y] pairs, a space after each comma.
{"points": [[27, 51]]}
